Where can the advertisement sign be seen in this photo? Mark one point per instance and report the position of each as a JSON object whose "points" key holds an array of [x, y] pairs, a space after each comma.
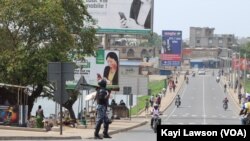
{"points": [[121, 16], [241, 64], [109, 69], [171, 48], [8, 115]]}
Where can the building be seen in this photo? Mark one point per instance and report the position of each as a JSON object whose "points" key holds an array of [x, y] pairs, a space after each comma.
{"points": [[205, 38]]}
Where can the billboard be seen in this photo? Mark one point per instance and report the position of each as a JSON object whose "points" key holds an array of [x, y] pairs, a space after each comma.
{"points": [[9, 115], [240, 64], [121, 16], [171, 48], [104, 65]]}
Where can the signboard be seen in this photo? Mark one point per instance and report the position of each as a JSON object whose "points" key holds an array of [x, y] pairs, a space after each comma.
{"points": [[121, 16], [241, 64], [171, 48], [9, 115], [108, 69], [60, 72], [100, 56], [127, 90]]}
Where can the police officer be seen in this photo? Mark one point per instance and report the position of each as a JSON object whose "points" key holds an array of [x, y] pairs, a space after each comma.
{"points": [[102, 96]]}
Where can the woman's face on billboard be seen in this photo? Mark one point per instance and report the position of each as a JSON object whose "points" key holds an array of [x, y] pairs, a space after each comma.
{"points": [[111, 62]]}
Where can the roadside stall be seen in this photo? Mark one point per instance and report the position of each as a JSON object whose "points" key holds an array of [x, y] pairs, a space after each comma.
{"points": [[13, 105]]}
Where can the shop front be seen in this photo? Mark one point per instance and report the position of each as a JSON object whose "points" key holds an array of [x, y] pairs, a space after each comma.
{"points": [[13, 105]]}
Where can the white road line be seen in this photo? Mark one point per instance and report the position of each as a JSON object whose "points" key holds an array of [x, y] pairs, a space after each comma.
{"points": [[231, 98], [204, 109], [171, 114]]}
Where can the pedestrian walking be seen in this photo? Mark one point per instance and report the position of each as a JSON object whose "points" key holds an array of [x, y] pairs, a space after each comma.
{"points": [[39, 117]]}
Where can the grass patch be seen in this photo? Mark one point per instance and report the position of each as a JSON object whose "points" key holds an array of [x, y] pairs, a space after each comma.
{"points": [[156, 87], [247, 85]]}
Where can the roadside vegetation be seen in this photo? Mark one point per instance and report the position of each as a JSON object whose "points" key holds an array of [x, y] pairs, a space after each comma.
{"points": [[156, 88]]}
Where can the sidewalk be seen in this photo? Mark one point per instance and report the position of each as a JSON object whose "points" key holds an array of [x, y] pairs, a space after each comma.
{"points": [[24, 133], [167, 99], [232, 94]]}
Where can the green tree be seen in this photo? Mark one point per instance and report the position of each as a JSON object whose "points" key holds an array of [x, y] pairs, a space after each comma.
{"points": [[154, 40], [35, 32], [245, 49]]}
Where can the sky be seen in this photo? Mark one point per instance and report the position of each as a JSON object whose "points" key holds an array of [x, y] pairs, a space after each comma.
{"points": [[226, 16]]}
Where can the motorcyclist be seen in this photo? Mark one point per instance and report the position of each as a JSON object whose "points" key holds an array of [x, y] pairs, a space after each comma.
{"points": [[155, 114], [218, 78], [225, 101], [178, 99]]}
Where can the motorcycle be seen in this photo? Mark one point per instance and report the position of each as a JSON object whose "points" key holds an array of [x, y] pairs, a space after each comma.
{"points": [[177, 103], [225, 106], [217, 80], [156, 122]]}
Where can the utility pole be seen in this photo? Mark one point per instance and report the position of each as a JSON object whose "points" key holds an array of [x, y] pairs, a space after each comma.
{"points": [[238, 74], [245, 68]]}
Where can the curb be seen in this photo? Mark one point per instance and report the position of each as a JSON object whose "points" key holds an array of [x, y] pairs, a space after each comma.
{"points": [[39, 138], [172, 100], [231, 93], [22, 128]]}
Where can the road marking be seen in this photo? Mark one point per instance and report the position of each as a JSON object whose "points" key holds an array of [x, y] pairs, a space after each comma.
{"points": [[204, 109], [171, 114], [194, 115]]}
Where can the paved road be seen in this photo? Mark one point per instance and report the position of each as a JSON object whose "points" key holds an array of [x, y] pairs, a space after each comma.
{"points": [[202, 104], [144, 133]]}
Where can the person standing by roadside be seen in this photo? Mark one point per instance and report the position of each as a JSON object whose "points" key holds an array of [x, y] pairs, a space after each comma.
{"points": [[245, 112], [102, 96], [174, 86], [146, 105], [164, 91], [151, 100], [239, 97]]}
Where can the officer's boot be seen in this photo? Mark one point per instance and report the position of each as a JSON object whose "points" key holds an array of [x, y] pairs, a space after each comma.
{"points": [[97, 129], [105, 131]]}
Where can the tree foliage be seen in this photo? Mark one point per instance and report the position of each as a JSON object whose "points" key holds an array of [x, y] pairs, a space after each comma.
{"points": [[153, 40], [245, 49], [35, 32]]}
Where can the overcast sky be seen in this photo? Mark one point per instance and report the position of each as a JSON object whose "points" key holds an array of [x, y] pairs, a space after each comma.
{"points": [[226, 16]]}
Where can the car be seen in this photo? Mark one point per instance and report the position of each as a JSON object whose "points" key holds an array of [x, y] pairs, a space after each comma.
{"points": [[202, 72]]}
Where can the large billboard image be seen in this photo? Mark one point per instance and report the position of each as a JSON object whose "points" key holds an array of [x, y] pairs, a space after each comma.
{"points": [[171, 48], [104, 65], [121, 16]]}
